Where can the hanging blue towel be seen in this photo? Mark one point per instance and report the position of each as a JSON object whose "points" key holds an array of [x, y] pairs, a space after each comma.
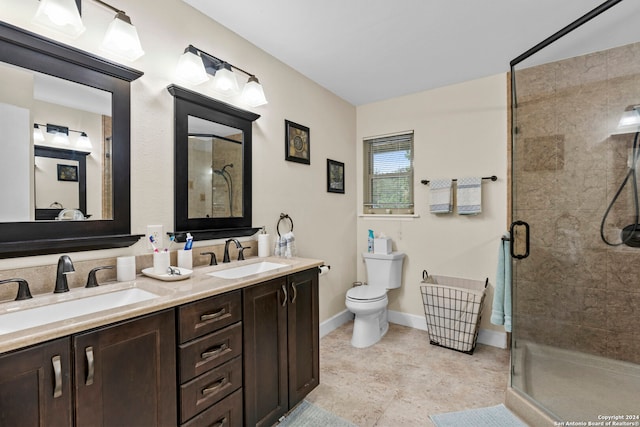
{"points": [[440, 192], [501, 311], [469, 195]]}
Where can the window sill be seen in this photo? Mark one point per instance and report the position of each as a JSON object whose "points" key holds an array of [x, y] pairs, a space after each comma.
{"points": [[403, 217]]}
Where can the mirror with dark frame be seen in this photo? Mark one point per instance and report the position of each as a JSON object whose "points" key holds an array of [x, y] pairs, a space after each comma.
{"points": [[57, 96], [212, 167]]}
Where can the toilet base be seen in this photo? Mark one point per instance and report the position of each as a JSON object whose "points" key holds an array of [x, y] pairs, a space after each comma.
{"points": [[368, 329]]}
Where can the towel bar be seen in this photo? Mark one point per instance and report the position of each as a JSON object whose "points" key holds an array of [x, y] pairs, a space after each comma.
{"points": [[492, 178]]}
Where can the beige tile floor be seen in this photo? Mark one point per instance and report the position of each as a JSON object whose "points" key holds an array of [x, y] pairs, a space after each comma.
{"points": [[403, 379]]}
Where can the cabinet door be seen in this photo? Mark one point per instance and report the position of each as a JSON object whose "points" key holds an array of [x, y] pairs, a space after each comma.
{"points": [[265, 352], [125, 374], [35, 386], [304, 365]]}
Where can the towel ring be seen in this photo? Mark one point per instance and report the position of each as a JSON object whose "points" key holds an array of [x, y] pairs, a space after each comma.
{"points": [[283, 217]]}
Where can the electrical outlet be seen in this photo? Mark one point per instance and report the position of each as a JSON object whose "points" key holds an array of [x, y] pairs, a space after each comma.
{"points": [[157, 232]]}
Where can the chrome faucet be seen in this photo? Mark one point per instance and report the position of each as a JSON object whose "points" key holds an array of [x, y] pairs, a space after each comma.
{"points": [[226, 250], [65, 266]]}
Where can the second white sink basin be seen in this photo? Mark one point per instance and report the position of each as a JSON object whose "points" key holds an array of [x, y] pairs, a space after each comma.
{"points": [[37, 316], [247, 270]]}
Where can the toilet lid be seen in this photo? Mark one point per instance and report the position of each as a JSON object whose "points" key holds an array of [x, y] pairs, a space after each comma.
{"points": [[365, 292]]}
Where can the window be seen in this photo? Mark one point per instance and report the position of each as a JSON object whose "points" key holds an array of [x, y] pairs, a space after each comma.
{"points": [[388, 168]]}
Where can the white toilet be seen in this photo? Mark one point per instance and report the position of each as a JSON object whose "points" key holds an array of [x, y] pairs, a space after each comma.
{"points": [[369, 303]]}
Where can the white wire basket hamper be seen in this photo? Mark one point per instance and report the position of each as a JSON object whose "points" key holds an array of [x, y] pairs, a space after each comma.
{"points": [[453, 308]]}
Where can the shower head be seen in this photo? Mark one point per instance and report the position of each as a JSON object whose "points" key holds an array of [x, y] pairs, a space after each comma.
{"points": [[230, 165], [630, 120]]}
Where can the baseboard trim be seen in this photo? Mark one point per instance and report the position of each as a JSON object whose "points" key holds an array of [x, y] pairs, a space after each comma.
{"points": [[335, 322], [485, 336]]}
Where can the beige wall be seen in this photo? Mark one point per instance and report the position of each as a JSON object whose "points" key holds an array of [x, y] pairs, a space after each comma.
{"points": [[325, 223], [460, 130]]}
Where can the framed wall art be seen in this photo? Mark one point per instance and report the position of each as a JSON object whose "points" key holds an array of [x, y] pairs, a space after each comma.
{"points": [[67, 173], [297, 143], [335, 176]]}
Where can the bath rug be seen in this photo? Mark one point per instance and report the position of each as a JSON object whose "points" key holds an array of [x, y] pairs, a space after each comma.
{"points": [[494, 416], [307, 414]]}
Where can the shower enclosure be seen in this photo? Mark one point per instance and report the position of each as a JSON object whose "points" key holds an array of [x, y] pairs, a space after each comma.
{"points": [[576, 299]]}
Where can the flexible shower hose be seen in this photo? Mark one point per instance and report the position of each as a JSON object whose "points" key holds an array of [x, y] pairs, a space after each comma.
{"points": [[630, 174]]}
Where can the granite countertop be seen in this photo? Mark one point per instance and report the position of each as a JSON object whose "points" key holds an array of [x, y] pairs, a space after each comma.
{"points": [[170, 294]]}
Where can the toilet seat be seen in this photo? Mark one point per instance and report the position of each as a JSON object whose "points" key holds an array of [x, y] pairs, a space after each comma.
{"points": [[366, 294]]}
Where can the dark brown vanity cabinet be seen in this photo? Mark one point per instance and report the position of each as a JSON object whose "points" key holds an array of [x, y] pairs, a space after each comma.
{"points": [[210, 361], [125, 373], [281, 345], [35, 386], [120, 374]]}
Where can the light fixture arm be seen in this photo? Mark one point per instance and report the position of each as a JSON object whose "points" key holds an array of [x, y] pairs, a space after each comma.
{"points": [[212, 63], [108, 6]]}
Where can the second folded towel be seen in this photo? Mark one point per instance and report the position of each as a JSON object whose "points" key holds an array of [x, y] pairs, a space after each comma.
{"points": [[469, 195]]}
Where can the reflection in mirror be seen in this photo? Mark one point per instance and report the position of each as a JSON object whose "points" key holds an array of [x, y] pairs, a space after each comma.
{"points": [[46, 112], [70, 92], [215, 169], [212, 167]]}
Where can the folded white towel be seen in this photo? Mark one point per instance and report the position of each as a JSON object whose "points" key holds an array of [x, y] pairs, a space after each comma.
{"points": [[469, 196], [440, 192]]}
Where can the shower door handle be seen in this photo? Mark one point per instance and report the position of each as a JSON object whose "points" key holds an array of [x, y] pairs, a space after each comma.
{"points": [[515, 238]]}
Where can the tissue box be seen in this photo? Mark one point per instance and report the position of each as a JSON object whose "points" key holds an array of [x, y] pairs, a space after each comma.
{"points": [[382, 245]]}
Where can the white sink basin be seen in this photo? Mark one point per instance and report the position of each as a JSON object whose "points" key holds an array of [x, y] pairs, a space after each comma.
{"points": [[247, 270], [37, 316]]}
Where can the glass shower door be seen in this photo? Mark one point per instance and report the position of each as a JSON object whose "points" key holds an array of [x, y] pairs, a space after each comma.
{"points": [[576, 298]]}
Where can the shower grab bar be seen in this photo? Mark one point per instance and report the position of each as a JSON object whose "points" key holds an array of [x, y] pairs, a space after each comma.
{"points": [[492, 178]]}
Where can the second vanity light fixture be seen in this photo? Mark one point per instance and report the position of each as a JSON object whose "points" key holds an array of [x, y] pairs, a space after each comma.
{"points": [[120, 39], [195, 66], [61, 135]]}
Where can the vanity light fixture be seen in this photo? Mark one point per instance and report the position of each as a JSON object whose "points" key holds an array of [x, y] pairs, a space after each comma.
{"points": [[120, 39], [38, 136], [61, 135], [60, 15], [83, 141], [194, 66]]}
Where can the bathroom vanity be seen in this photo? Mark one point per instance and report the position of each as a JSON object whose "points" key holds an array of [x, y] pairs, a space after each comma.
{"points": [[206, 351]]}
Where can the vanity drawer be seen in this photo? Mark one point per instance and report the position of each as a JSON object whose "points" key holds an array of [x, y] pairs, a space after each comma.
{"points": [[208, 388], [201, 317], [226, 413], [202, 354]]}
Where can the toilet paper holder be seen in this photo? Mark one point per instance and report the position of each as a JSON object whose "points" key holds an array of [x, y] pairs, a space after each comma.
{"points": [[323, 269]]}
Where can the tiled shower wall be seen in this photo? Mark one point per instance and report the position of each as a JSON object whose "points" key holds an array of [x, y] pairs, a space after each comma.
{"points": [[574, 291]]}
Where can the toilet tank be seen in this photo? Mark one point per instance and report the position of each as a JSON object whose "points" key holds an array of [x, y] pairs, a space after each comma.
{"points": [[384, 271]]}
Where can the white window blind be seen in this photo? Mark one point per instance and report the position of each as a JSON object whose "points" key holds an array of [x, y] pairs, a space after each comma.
{"points": [[388, 165]]}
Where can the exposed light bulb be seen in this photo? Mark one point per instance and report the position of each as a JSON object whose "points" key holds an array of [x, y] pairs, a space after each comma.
{"points": [[253, 93], [84, 141], [191, 69], [225, 81], [59, 15], [122, 38], [38, 136]]}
